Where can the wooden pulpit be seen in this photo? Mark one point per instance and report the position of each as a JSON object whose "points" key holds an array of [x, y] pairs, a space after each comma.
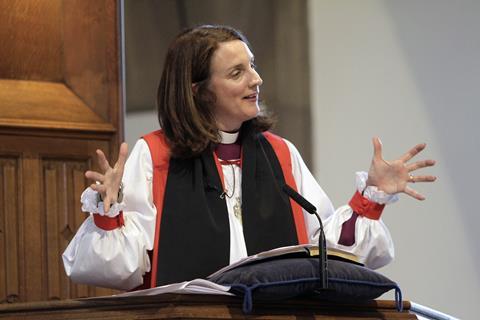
{"points": [[180, 306]]}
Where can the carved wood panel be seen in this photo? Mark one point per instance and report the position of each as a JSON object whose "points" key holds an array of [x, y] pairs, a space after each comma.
{"points": [[40, 211], [10, 266], [63, 184]]}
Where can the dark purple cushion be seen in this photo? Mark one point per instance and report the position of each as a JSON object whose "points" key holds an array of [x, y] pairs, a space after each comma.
{"points": [[279, 279]]}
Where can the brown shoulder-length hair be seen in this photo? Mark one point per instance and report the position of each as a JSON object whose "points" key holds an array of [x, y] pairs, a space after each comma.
{"points": [[187, 119]]}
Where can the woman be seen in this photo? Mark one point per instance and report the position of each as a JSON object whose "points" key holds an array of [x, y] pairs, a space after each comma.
{"points": [[206, 190]]}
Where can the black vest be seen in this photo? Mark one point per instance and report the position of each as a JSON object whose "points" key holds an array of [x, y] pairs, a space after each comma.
{"points": [[194, 236]]}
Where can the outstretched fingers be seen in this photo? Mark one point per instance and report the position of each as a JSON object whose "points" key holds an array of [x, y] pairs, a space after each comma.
{"points": [[377, 148], [93, 175], [414, 179], [100, 188], [420, 164], [122, 155], [413, 193], [107, 203], [413, 152], [108, 179], [102, 161]]}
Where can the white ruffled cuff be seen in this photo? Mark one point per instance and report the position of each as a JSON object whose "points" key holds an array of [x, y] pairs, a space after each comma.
{"points": [[90, 204], [372, 192]]}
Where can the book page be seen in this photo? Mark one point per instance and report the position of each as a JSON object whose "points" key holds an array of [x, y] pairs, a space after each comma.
{"points": [[308, 249], [196, 286], [305, 248]]}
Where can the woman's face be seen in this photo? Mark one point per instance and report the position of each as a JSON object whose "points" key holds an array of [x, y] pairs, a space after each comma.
{"points": [[235, 83]]}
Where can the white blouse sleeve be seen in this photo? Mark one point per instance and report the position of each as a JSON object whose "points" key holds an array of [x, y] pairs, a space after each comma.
{"points": [[118, 258], [373, 243]]}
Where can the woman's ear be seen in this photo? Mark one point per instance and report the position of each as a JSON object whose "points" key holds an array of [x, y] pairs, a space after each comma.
{"points": [[194, 88]]}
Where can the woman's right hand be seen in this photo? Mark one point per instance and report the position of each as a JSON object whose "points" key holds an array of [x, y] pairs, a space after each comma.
{"points": [[110, 178]]}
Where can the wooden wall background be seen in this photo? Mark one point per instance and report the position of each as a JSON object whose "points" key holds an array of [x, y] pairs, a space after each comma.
{"points": [[60, 100]]}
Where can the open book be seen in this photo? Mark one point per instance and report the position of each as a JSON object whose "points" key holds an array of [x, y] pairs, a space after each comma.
{"points": [[302, 250], [196, 286], [203, 286]]}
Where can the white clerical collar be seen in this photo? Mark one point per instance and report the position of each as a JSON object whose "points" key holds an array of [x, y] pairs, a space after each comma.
{"points": [[227, 137]]}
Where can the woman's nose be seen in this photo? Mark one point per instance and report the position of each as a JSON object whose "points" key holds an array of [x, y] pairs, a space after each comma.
{"points": [[256, 79]]}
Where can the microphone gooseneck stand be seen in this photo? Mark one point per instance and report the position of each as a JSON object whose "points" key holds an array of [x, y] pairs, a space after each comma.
{"points": [[322, 243]]}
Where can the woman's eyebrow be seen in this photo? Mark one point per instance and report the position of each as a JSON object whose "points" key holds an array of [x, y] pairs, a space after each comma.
{"points": [[240, 65], [237, 66]]}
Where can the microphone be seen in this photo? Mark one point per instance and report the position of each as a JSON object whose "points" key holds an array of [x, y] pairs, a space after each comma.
{"points": [[322, 243]]}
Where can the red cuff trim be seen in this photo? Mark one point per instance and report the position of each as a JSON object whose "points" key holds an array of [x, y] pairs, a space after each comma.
{"points": [[107, 223], [366, 208]]}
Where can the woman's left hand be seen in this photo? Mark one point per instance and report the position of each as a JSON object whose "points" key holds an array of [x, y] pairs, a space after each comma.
{"points": [[393, 176]]}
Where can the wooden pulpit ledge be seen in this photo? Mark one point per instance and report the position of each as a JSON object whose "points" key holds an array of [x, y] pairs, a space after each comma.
{"points": [[183, 306]]}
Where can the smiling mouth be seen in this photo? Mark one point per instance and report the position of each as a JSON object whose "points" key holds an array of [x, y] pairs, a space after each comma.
{"points": [[252, 96]]}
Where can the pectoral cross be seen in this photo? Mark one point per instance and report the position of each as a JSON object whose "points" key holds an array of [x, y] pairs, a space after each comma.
{"points": [[237, 209]]}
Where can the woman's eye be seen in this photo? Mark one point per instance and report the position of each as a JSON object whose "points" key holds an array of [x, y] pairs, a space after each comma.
{"points": [[253, 65], [236, 73]]}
